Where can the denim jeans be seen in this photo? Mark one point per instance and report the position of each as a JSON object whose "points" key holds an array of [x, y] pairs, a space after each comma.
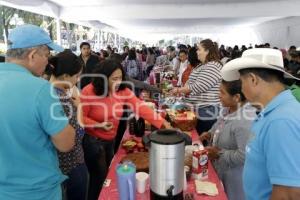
{"points": [[206, 117], [75, 187], [98, 155]]}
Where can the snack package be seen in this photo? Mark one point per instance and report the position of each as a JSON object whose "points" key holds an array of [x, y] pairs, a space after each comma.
{"points": [[200, 164]]}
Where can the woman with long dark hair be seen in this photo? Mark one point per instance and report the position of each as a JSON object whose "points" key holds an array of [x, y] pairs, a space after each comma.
{"points": [[150, 60], [103, 101], [193, 62], [64, 70], [132, 66]]}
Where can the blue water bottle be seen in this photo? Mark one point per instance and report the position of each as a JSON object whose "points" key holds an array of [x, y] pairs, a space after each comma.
{"points": [[126, 181]]}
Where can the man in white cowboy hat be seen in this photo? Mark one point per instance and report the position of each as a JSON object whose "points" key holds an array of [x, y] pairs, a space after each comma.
{"points": [[272, 166], [32, 121]]}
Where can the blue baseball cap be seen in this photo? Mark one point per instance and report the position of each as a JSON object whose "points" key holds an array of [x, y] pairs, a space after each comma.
{"points": [[27, 36]]}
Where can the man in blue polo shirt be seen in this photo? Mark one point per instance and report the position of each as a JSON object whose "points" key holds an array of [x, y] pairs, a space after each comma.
{"points": [[272, 165], [32, 122]]}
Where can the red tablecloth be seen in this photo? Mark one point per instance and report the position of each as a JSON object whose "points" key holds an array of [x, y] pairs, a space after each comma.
{"points": [[111, 192]]}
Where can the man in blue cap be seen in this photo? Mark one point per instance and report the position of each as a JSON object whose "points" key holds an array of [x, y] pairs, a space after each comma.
{"points": [[32, 121]]}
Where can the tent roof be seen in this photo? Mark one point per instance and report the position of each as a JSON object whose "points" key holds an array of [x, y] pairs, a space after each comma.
{"points": [[156, 17]]}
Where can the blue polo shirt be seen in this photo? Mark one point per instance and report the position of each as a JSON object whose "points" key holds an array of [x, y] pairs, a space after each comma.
{"points": [[30, 113], [272, 154]]}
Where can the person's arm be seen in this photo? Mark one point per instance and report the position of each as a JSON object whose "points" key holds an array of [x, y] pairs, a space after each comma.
{"points": [[143, 110], [141, 85], [84, 110], [182, 90], [64, 140], [151, 88], [285, 193], [86, 121], [236, 157], [53, 120], [214, 127], [208, 136], [205, 136], [75, 97]]}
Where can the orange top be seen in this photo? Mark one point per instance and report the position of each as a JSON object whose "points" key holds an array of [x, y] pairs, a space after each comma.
{"points": [[110, 109]]}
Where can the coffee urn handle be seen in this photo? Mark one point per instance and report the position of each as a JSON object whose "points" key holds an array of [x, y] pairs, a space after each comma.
{"points": [[170, 192], [146, 140], [187, 139]]}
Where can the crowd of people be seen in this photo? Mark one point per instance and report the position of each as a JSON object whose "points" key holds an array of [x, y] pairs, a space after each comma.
{"points": [[183, 55], [63, 115]]}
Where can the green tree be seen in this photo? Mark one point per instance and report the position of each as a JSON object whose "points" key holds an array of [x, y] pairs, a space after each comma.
{"points": [[39, 20], [49, 24], [70, 32], [6, 14], [31, 18]]}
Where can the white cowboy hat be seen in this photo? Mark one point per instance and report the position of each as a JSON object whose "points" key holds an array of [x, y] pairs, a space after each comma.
{"points": [[255, 58]]}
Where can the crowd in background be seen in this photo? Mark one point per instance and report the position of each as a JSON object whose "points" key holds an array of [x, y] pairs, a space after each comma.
{"points": [[147, 57], [82, 144]]}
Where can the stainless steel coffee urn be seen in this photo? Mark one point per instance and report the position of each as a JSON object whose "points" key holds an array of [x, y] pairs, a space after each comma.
{"points": [[166, 163]]}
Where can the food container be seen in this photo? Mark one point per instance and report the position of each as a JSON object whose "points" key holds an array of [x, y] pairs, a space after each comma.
{"points": [[185, 121]]}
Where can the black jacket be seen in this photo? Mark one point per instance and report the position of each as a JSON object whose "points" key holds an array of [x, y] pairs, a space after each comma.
{"points": [[88, 68]]}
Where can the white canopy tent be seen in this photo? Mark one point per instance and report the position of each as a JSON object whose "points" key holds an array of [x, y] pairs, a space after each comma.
{"points": [[226, 21]]}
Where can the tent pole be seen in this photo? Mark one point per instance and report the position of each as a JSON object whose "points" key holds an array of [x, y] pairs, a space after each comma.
{"points": [[115, 40], [101, 39], [58, 31], [119, 43], [98, 40]]}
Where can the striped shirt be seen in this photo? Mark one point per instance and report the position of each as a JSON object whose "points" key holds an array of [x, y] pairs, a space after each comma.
{"points": [[204, 83]]}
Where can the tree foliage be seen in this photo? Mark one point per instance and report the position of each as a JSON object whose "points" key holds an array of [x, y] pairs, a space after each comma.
{"points": [[7, 14]]}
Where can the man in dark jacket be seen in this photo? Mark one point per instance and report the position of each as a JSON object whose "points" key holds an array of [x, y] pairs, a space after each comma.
{"points": [[88, 61]]}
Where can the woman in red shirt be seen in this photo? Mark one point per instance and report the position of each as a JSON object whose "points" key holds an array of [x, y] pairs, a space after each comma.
{"points": [[193, 62], [102, 106]]}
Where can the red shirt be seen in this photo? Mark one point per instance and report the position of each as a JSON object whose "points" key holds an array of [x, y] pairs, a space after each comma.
{"points": [[110, 109]]}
